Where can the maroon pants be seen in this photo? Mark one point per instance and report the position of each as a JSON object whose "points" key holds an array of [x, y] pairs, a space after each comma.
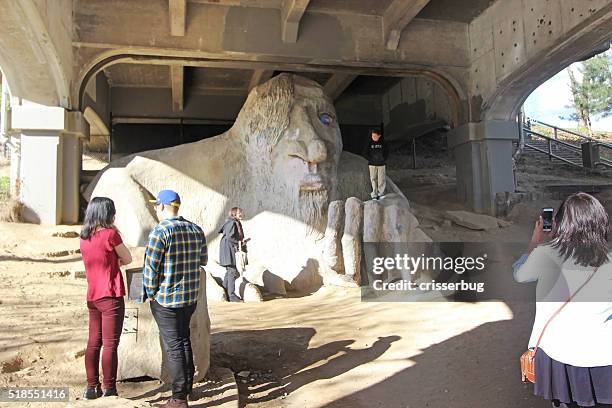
{"points": [[105, 325]]}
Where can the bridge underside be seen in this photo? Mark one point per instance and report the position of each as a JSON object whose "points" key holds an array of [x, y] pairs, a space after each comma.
{"points": [[148, 74]]}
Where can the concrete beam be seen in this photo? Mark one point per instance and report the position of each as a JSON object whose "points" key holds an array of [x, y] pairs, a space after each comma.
{"points": [[291, 14], [396, 17], [272, 4], [177, 10], [338, 84], [259, 77], [177, 81]]}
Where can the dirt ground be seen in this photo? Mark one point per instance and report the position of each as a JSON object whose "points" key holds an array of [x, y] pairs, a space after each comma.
{"points": [[326, 349]]}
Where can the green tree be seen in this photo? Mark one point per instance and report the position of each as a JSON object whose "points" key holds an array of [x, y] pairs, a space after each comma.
{"points": [[592, 94]]}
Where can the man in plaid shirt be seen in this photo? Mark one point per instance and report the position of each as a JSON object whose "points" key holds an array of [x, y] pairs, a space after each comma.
{"points": [[171, 280]]}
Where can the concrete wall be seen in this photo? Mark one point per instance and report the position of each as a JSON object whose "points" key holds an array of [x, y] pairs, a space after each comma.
{"points": [[133, 138], [157, 102], [363, 110], [97, 97], [412, 89], [36, 49], [57, 17], [515, 45]]}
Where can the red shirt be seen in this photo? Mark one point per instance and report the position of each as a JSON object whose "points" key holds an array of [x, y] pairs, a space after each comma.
{"points": [[102, 264]]}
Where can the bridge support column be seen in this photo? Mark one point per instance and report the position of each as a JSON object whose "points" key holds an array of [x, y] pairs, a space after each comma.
{"points": [[50, 165], [483, 156]]}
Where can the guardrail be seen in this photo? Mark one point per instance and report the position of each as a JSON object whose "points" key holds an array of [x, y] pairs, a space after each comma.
{"points": [[603, 161], [556, 130]]}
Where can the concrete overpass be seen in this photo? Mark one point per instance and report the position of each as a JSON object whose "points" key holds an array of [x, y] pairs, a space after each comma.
{"points": [[81, 69]]}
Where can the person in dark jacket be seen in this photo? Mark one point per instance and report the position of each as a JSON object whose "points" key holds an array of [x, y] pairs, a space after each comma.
{"points": [[376, 152], [233, 236]]}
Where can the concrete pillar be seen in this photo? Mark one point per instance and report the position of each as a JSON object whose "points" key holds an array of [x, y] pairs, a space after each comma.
{"points": [[4, 112], [15, 156], [50, 164], [483, 156]]}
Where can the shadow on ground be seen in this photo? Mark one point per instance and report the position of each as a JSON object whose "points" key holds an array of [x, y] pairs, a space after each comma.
{"points": [[278, 368]]}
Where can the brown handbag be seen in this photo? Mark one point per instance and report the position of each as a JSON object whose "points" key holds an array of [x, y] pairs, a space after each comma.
{"points": [[528, 357]]}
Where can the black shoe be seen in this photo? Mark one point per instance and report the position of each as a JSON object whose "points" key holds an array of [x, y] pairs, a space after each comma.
{"points": [[92, 393], [377, 197], [111, 392]]}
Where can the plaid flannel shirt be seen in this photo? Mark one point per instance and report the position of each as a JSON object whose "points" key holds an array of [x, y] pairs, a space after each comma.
{"points": [[171, 273]]}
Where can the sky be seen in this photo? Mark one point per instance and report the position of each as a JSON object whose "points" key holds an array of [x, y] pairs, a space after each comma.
{"points": [[551, 99]]}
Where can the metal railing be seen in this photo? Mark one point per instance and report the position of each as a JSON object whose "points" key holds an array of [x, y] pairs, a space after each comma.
{"points": [[605, 156]]}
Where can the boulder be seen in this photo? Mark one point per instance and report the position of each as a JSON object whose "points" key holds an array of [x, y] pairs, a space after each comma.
{"points": [[472, 220], [332, 250], [140, 350], [214, 290], [351, 239]]}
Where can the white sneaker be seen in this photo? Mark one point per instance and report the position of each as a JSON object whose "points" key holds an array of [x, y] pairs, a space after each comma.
{"points": [[381, 197]]}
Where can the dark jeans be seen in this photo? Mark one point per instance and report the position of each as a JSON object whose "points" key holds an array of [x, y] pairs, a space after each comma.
{"points": [[229, 283], [174, 330], [105, 325]]}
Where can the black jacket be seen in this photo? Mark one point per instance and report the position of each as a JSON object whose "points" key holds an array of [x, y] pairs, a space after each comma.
{"points": [[376, 152], [232, 235]]}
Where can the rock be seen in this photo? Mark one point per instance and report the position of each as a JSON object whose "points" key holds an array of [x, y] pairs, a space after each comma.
{"points": [[332, 249], [417, 235], [446, 223], [67, 234], [351, 239], [391, 220], [503, 223], [58, 274], [267, 281], [243, 374], [373, 215], [59, 254], [140, 350], [472, 220], [79, 353], [336, 279], [13, 365], [248, 291], [78, 274], [214, 290]]}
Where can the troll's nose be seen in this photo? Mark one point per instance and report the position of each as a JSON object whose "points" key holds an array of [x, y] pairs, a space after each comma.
{"points": [[317, 152]]}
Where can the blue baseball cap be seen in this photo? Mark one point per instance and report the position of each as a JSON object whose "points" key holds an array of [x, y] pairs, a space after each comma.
{"points": [[167, 197]]}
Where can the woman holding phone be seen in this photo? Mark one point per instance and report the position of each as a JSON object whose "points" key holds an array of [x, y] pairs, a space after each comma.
{"points": [[103, 252], [572, 332]]}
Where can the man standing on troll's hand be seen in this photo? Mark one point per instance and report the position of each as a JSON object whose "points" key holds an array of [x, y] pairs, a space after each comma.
{"points": [[376, 152], [171, 280]]}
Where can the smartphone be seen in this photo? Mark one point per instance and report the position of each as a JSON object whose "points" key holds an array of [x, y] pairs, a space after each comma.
{"points": [[547, 216]]}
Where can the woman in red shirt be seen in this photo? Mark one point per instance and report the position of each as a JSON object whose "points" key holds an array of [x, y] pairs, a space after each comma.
{"points": [[103, 252]]}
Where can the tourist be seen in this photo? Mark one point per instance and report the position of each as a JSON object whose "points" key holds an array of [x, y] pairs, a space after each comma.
{"points": [[231, 242], [171, 280], [573, 357], [103, 252], [376, 152]]}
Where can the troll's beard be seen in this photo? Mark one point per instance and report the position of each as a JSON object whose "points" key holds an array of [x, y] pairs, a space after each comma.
{"points": [[313, 209]]}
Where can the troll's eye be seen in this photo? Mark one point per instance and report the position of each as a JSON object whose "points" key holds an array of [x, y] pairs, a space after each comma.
{"points": [[326, 118]]}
